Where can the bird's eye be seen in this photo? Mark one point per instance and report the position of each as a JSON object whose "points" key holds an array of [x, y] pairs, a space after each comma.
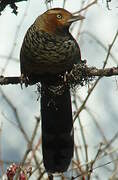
{"points": [[59, 16]]}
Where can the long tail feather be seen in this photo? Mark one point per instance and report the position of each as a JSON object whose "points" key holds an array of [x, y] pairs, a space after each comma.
{"points": [[57, 134]]}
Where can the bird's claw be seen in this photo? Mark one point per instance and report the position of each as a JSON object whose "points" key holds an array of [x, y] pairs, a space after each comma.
{"points": [[65, 76], [23, 79]]}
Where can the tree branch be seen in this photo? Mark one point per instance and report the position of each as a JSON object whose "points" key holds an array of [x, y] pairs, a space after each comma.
{"points": [[102, 72], [79, 74]]}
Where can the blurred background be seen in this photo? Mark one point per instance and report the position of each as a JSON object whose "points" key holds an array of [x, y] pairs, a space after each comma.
{"points": [[96, 128]]}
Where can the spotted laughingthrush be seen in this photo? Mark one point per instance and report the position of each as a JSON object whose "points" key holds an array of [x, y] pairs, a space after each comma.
{"points": [[48, 51]]}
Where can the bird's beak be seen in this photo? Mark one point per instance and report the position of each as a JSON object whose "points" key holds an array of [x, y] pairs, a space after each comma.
{"points": [[75, 18]]}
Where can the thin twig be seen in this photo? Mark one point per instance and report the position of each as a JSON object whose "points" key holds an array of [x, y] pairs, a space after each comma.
{"points": [[29, 149], [96, 82], [86, 7], [64, 2], [6, 57], [93, 161], [91, 171], [16, 115], [99, 43], [1, 163], [87, 109], [82, 134], [110, 142], [15, 37], [35, 131]]}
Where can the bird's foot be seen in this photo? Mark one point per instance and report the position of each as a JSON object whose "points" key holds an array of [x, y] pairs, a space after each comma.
{"points": [[50, 176], [65, 76], [24, 79]]}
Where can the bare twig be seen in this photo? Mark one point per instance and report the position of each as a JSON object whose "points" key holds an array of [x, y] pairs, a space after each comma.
{"points": [[82, 22], [6, 57], [87, 109], [41, 175], [110, 47], [91, 171], [29, 149], [1, 163], [89, 5], [93, 161], [64, 2], [16, 35], [82, 134], [96, 82], [100, 43], [110, 142], [35, 131], [16, 115]]}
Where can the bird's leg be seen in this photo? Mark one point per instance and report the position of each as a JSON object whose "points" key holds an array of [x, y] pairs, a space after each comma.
{"points": [[65, 76], [50, 176], [24, 79], [21, 80]]}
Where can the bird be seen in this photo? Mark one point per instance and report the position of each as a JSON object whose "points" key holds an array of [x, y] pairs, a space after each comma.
{"points": [[47, 53]]}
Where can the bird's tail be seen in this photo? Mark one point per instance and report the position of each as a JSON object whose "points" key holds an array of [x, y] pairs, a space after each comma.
{"points": [[57, 131]]}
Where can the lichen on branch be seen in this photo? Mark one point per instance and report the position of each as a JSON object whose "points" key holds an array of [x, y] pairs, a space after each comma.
{"points": [[79, 75]]}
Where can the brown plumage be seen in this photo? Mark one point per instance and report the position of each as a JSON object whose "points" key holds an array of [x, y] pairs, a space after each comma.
{"points": [[49, 49]]}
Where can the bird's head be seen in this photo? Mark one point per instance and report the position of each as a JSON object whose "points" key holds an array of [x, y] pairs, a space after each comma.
{"points": [[56, 20]]}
